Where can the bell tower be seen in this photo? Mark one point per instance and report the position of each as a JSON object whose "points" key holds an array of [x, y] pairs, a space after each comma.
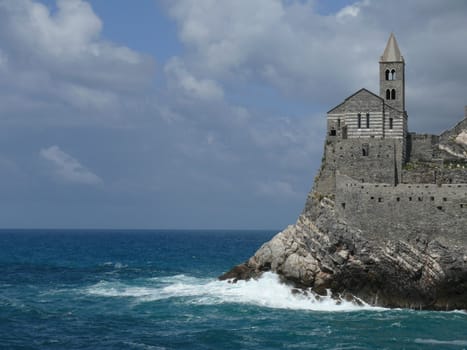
{"points": [[392, 75]]}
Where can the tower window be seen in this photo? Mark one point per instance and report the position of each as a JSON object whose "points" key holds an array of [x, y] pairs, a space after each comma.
{"points": [[368, 120], [338, 122], [388, 94], [390, 123], [393, 94], [359, 120], [393, 75], [387, 74]]}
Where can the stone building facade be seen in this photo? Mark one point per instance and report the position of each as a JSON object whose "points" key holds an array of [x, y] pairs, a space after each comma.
{"points": [[385, 179]]}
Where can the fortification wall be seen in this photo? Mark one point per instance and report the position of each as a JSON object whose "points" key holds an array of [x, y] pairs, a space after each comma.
{"points": [[366, 160], [384, 210], [422, 147], [435, 173]]}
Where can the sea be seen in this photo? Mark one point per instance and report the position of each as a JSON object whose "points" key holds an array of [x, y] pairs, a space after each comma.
{"points": [[158, 289]]}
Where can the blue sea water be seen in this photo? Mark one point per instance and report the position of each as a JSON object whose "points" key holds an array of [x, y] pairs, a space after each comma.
{"points": [[124, 289]]}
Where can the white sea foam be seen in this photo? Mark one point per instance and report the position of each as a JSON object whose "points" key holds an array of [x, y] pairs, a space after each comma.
{"points": [[441, 342], [117, 264], [267, 291]]}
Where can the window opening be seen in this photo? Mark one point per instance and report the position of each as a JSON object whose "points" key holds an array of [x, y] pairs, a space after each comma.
{"points": [[365, 149]]}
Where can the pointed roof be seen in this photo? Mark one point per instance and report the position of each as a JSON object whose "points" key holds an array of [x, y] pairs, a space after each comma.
{"points": [[392, 52], [354, 94]]}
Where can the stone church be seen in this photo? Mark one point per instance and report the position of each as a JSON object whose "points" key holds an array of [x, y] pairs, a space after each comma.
{"points": [[380, 174]]}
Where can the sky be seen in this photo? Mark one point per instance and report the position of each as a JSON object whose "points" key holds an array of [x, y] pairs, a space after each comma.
{"points": [[198, 114]]}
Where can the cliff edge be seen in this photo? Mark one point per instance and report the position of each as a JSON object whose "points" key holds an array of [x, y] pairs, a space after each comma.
{"points": [[322, 253]]}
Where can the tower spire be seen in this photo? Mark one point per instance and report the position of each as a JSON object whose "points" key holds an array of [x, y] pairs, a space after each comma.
{"points": [[392, 75], [391, 52]]}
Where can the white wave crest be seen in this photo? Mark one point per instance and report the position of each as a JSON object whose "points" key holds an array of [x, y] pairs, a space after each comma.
{"points": [[441, 342], [267, 291]]}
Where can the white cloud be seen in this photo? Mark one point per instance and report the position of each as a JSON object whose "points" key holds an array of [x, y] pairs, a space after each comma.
{"points": [[348, 11], [183, 81], [60, 59], [68, 168]]}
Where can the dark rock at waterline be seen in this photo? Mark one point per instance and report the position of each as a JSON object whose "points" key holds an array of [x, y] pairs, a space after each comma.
{"points": [[322, 253]]}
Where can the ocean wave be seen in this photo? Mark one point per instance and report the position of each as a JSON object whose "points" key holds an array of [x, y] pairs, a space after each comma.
{"points": [[441, 342], [266, 291], [116, 265]]}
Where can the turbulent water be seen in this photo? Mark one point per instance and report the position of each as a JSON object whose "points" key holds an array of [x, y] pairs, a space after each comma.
{"points": [[71, 289]]}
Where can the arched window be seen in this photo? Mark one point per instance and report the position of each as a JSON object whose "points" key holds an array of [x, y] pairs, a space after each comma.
{"points": [[365, 149], [368, 120], [359, 120], [388, 94], [387, 74], [393, 94], [390, 123], [393, 74], [332, 132]]}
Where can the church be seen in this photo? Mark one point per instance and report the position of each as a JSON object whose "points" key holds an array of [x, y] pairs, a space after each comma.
{"points": [[379, 174], [369, 125]]}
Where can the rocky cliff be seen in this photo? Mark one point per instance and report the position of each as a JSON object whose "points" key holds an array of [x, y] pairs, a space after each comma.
{"points": [[323, 252]]}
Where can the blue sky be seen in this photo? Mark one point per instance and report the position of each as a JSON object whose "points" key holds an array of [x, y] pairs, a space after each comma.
{"points": [[198, 113]]}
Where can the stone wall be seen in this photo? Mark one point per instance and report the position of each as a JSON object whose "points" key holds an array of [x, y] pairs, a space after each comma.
{"points": [[366, 160], [437, 172], [422, 147], [384, 209]]}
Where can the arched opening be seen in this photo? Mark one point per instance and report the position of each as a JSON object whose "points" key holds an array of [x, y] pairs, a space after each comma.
{"points": [[390, 123], [387, 74], [393, 74], [365, 149], [393, 94], [388, 94], [359, 120], [368, 120], [332, 132]]}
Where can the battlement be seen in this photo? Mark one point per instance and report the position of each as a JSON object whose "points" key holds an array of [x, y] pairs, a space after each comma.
{"points": [[430, 209]]}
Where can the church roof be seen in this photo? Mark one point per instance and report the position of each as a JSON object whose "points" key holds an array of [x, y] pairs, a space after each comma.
{"points": [[354, 94], [391, 52]]}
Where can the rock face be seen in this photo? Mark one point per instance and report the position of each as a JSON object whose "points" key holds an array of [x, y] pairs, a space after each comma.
{"points": [[322, 253]]}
